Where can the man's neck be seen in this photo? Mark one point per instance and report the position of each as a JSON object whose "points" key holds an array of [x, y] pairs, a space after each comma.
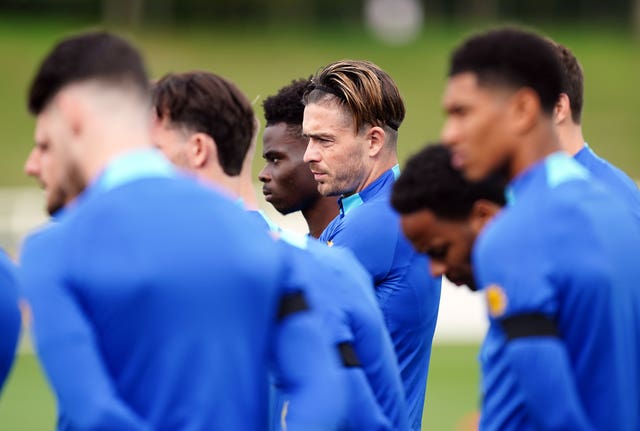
{"points": [[379, 168], [534, 147], [571, 138], [320, 213]]}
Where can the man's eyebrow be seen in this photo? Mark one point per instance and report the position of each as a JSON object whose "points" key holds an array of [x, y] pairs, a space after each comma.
{"points": [[317, 135], [271, 153]]}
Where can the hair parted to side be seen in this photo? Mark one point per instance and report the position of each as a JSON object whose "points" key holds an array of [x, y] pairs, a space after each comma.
{"points": [[429, 181], [286, 105], [207, 103], [513, 58], [99, 56], [572, 81], [367, 93]]}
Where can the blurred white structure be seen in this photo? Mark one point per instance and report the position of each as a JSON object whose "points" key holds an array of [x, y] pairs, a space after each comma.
{"points": [[394, 22]]}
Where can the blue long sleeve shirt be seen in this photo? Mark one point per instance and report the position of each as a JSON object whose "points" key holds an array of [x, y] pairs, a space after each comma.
{"points": [[618, 182], [559, 270], [157, 307], [406, 293], [9, 316], [343, 292]]}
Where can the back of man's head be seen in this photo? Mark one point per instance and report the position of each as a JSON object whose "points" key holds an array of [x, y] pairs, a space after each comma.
{"points": [[364, 90], [572, 81], [286, 105], [207, 103], [96, 56], [512, 58], [429, 181]]}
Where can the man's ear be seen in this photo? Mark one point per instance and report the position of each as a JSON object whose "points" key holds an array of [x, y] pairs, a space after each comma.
{"points": [[482, 213], [562, 110], [375, 137], [202, 150], [525, 109], [72, 109]]}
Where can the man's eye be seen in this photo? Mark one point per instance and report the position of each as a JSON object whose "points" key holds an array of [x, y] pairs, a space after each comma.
{"points": [[438, 253]]}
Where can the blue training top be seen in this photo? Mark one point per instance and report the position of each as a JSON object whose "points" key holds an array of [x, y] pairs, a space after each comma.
{"points": [[343, 292], [9, 315], [157, 306], [615, 179], [559, 270], [406, 293]]}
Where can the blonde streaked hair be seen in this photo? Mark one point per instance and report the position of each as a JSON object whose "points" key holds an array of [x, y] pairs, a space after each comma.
{"points": [[363, 89]]}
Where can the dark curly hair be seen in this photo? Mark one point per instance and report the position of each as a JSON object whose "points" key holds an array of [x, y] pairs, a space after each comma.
{"points": [[512, 57], [207, 103], [286, 105], [429, 181], [572, 81]]}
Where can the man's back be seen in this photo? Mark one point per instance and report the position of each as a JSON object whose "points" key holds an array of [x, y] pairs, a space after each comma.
{"points": [[615, 179], [169, 300], [344, 293], [561, 256], [407, 295]]}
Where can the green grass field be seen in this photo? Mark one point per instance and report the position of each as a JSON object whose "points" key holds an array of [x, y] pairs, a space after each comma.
{"points": [[262, 59], [452, 392]]}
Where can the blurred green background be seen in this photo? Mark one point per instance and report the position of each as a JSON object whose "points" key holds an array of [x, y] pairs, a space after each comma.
{"points": [[263, 45], [261, 57]]}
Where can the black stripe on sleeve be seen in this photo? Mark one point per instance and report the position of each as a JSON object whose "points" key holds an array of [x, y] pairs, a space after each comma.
{"points": [[529, 325], [348, 355], [292, 303]]}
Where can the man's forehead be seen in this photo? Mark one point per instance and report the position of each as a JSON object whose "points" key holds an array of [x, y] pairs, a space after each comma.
{"points": [[333, 113], [461, 84]]}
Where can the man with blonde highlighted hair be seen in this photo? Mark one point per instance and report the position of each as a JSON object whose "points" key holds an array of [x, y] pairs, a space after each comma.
{"points": [[353, 111]]}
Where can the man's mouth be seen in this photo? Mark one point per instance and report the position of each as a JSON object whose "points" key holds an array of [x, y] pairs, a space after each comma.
{"points": [[267, 194]]}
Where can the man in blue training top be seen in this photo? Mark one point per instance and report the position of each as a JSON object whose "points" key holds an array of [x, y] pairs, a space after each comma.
{"points": [[9, 316], [289, 186], [353, 110], [557, 265], [567, 118], [190, 110], [156, 304]]}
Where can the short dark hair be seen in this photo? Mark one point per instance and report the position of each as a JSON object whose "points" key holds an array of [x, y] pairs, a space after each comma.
{"points": [[89, 56], [429, 181], [286, 105], [512, 57], [365, 90], [208, 103], [572, 81]]}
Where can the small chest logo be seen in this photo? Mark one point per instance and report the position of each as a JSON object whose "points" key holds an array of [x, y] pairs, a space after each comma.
{"points": [[330, 243], [496, 300]]}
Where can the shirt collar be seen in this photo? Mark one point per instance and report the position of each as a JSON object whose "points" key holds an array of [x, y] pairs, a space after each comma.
{"points": [[557, 169], [134, 165], [347, 203]]}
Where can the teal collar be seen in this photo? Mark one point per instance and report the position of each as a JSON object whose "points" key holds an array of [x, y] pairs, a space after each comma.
{"points": [[347, 203], [134, 165]]}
